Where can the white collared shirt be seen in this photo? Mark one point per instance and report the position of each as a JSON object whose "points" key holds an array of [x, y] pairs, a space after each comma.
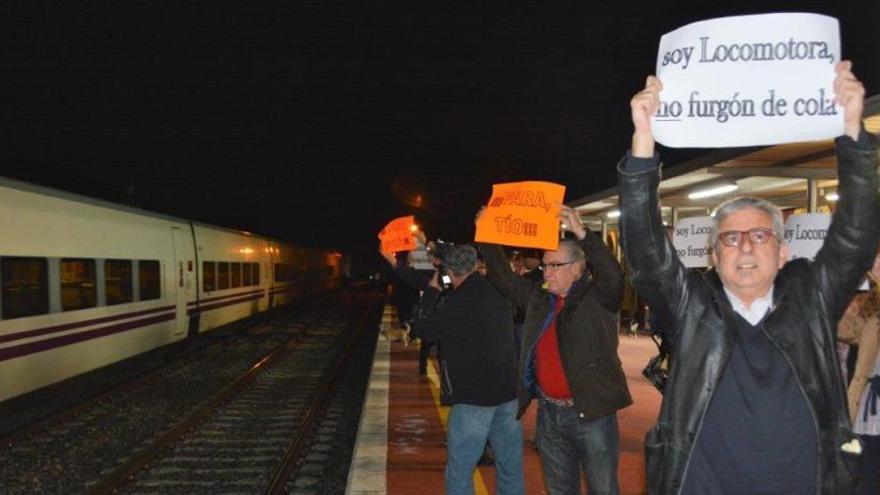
{"points": [[759, 308]]}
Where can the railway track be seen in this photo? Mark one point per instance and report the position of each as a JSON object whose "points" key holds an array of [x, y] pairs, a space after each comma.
{"points": [[242, 418]]}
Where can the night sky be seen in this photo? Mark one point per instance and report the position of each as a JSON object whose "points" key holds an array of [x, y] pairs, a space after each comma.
{"points": [[319, 122]]}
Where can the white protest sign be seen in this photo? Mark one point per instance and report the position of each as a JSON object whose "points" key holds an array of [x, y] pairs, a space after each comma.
{"points": [[420, 259], [806, 233], [749, 80], [693, 238]]}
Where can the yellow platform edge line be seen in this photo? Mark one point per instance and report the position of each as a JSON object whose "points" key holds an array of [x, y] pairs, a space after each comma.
{"points": [[443, 413]]}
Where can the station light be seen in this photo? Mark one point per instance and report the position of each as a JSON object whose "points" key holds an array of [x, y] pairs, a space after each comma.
{"points": [[832, 196], [613, 214], [714, 190]]}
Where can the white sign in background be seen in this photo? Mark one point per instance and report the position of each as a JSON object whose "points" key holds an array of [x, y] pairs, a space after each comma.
{"points": [[420, 258], [806, 233], [749, 80], [693, 239]]}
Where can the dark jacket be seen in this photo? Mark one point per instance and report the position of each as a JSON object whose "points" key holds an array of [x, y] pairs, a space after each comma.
{"points": [[415, 278], [535, 276], [586, 328], [808, 299], [475, 328], [405, 292]]}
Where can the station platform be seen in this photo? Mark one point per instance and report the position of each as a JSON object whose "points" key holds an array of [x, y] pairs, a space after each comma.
{"points": [[400, 448]]}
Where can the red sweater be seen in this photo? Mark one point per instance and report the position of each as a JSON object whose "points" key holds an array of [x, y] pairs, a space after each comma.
{"points": [[551, 376]]}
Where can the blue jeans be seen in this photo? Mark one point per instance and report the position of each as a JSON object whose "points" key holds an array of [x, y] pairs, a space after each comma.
{"points": [[566, 446], [469, 427]]}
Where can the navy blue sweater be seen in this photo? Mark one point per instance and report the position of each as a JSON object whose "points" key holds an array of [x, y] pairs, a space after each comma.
{"points": [[758, 435]]}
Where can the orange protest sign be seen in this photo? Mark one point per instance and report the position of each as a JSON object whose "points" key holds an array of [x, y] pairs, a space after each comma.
{"points": [[398, 235], [523, 214]]}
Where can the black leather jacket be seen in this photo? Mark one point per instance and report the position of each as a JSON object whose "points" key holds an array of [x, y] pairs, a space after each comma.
{"points": [[809, 298], [587, 329]]}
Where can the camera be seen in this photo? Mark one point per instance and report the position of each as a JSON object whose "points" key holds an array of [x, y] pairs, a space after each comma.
{"points": [[443, 277]]}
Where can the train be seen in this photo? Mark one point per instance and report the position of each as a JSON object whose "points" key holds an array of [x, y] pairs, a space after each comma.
{"points": [[87, 283]]}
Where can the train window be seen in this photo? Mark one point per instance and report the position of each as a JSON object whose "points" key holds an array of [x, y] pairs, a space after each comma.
{"points": [[255, 273], [149, 280], [117, 279], [246, 274], [235, 275], [25, 287], [222, 275], [77, 284], [209, 277]]}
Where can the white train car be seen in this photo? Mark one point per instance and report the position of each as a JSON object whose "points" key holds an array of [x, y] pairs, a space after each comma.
{"points": [[86, 283], [232, 267], [285, 285]]}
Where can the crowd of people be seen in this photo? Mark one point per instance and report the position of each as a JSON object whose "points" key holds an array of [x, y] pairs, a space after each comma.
{"points": [[756, 399]]}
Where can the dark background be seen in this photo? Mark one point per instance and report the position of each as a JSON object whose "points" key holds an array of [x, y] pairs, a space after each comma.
{"points": [[317, 122]]}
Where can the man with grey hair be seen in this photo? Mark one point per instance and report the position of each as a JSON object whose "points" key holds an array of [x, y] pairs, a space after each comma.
{"points": [[568, 357], [731, 206], [755, 400], [474, 325]]}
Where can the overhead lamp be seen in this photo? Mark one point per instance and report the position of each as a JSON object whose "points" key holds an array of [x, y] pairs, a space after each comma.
{"points": [[613, 214], [713, 190], [831, 196]]}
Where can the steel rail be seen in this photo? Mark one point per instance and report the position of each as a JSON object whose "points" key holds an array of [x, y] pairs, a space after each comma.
{"points": [[320, 399], [53, 419], [121, 475]]}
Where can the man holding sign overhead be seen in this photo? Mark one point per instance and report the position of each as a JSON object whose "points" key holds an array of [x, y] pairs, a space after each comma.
{"points": [[568, 356], [755, 400]]}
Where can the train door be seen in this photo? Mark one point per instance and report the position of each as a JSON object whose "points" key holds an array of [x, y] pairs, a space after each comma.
{"points": [[182, 281], [270, 277]]}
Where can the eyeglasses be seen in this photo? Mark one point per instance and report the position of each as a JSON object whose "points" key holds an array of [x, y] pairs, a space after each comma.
{"points": [[555, 266], [757, 236]]}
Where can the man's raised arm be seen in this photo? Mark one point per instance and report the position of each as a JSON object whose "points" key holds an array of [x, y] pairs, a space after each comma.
{"points": [[656, 271], [852, 238], [608, 274], [515, 288], [642, 106]]}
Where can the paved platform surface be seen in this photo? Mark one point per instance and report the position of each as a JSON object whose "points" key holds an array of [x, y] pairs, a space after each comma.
{"points": [[400, 443]]}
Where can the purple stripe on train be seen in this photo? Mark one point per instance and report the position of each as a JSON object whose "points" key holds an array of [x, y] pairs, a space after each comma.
{"points": [[78, 324], [64, 340]]}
